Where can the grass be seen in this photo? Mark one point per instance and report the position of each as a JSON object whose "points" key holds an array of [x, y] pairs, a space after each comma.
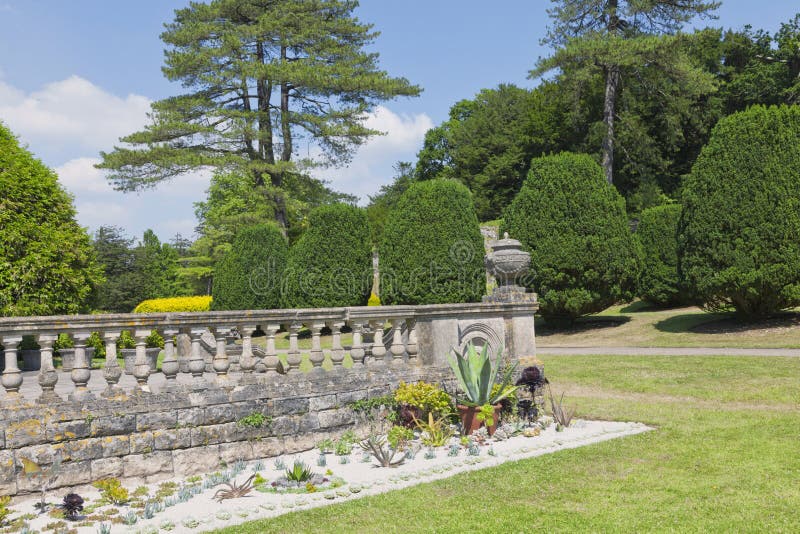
{"points": [[725, 457], [635, 325]]}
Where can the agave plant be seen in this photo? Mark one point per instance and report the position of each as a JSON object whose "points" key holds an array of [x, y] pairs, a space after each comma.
{"points": [[477, 373], [299, 472]]}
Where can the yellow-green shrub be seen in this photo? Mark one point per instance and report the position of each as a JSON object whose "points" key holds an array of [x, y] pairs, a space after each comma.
{"points": [[427, 397], [175, 304], [374, 300]]}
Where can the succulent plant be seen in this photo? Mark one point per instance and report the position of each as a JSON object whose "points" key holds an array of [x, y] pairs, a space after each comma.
{"points": [[191, 522], [453, 450], [167, 525], [72, 506], [299, 472], [386, 456], [104, 528], [235, 491], [130, 518], [476, 373], [279, 464], [222, 515], [322, 460]]}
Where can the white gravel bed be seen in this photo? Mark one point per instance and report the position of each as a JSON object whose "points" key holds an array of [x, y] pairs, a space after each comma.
{"points": [[202, 513]]}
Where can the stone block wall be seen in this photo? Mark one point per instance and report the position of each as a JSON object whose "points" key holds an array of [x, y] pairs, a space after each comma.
{"points": [[150, 437]]}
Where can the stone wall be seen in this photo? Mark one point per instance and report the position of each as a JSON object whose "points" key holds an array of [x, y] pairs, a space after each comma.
{"points": [[145, 438]]}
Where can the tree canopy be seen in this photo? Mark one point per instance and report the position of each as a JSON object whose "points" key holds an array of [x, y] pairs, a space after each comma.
{"points": [[47, 265], [261, 78]]}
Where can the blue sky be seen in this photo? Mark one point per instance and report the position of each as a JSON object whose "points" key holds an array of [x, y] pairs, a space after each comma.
{"points": [[75, 75]]}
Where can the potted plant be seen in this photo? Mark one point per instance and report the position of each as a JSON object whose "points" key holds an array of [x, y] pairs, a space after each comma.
{"points": [[477, 375]]}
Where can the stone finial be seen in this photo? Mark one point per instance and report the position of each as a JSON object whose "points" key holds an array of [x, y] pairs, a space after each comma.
{"points": [[509, 264]]}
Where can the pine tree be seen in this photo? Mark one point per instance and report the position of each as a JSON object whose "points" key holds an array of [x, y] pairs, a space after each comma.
{"points": [[261, 76]]}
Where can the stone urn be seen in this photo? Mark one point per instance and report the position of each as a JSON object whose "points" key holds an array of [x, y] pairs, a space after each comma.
{"points": [[509, 264], [68, 358], [129, 355]]}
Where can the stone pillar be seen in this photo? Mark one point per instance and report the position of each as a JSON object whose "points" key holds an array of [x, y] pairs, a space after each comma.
{"points": [[357, 351], [316, 356], [293, 357], [337, 352], [81, 373], [170, 367], [247, 362], [12, 376], [378, 349], [48, 377], [271, 358], [141, 368], [412, 348], [111, 370], [221, 363], [397, 349], [197, 364]]}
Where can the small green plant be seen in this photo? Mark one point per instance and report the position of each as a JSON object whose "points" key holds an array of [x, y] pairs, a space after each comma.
{"points": [[374, 300], [344, 459], [310, 488], [5, 511], [453, 450], [434, 432], [259, 480], [130, 518], [255, 420], [430, 454], [141, 491], [322, 460], [342, 448], [399, 436], [104, 528], [279, 464], [486, 415], [111, 491], [299, 472], [326, 445], [194, 479]]}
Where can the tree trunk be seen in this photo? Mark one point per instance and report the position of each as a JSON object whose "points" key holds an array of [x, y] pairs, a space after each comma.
{"points": [[609, 109]]}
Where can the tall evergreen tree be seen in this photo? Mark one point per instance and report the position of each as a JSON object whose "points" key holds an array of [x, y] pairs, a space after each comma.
{"points": [[261, 77], [619, 38]]}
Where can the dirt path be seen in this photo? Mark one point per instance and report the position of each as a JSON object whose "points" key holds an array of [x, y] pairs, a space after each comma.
{"points": [[669, 351]]}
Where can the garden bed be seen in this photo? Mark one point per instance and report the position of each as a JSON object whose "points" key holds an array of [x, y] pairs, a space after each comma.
{"points": [[189, 505]]}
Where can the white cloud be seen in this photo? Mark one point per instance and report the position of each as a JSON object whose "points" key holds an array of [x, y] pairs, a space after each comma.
{"points": [[372, 165], [80, 176], [72, 115]]}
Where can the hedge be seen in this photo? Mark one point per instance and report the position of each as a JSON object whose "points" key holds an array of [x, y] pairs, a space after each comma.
{"points": [[738, 235], [584, 257], [175, 304], [432, 249], [657, 234], [249, 276], [331, 264]]}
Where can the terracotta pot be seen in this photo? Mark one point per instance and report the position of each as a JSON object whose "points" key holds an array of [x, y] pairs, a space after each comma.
{"points": [[469, 418]]}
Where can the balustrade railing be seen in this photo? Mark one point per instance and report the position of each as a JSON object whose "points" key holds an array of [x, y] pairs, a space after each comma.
{"points": [[381, 336]]}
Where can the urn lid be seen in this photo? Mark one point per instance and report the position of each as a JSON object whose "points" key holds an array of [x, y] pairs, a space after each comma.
{"points": [[506, 243]]}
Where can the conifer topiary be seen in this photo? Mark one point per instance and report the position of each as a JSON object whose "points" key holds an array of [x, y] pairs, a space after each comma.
{"points": [[432, 248], [331, 264], [249, 276], [583, 255], [738, 238], [657, 234]]}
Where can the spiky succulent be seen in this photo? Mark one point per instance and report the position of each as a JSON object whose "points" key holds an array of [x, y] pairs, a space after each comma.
{"points": [[476, 373], [386, 456], [233, 491], [299, 472], [72, 505]]}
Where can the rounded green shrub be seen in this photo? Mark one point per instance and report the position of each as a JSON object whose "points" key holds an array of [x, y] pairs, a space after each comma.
{"points": [[657, 233], [738, 238], [331, 264], [249, 275], [584, 257], [432, 249]]}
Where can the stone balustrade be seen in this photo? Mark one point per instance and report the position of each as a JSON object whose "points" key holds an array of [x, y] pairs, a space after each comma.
{"points": [[182, 419]]}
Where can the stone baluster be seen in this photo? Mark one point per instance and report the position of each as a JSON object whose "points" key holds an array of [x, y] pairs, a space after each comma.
{"points": [[397, 348], [271, 355], [112, 372], [293, 357], [48, 376], [80, 374], [170, 366], [221, 364], [12, 376], [378, 348], [184, 348], [412, 347], [337, 352], [316, 356], [141, 367], [197, 365], [357, 352], [247, 362]]}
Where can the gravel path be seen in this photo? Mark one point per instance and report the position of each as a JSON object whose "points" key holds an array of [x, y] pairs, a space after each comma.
{"points": [[670, 351]]}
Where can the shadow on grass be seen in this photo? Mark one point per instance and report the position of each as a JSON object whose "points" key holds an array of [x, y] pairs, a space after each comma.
{"points": [[583, 324], [718, 323]]}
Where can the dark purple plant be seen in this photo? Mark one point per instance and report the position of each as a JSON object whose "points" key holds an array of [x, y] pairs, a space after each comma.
{"points": [[72, 505]]}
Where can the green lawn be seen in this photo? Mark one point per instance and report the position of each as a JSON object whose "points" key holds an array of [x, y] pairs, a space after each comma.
{"points": [[725, 457], [636, 325]]}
